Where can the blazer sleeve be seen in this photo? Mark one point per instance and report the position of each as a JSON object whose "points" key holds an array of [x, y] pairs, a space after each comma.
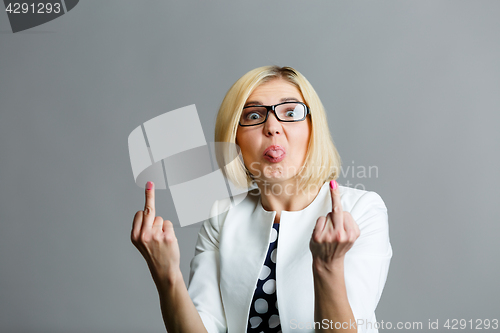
{"points": [[366, 264], [204, 276]]}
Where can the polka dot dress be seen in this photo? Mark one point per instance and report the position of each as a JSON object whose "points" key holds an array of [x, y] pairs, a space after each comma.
{"points": [[264, 316]]}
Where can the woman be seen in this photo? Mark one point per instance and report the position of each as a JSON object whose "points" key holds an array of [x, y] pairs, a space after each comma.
{"points": [[298, 252]]}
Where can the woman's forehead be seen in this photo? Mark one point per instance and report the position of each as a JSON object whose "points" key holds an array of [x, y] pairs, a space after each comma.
{"points": [[277, 89]]}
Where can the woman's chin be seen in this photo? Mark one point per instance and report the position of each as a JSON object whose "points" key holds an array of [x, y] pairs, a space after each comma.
{"points": [[274, 171], [273, 175]]}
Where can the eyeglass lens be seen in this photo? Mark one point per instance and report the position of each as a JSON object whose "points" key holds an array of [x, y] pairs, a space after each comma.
{"points": [[288, 112]]}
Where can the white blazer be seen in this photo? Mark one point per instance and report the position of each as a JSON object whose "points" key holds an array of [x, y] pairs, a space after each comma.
{"points": [[232, 246]]}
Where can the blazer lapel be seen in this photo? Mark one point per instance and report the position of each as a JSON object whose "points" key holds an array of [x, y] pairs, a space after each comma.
{"points": [[243, 248]]}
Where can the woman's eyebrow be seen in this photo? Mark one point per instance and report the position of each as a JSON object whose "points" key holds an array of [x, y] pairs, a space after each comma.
{"points": [[289, 99], [285, 99], [253, 103]]}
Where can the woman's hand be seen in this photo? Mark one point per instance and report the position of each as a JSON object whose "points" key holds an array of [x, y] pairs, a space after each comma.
{"points": [[155, 239], [333, 235]]}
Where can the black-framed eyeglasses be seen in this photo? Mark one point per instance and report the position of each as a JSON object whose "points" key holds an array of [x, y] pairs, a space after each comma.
{"points": [[288, 112]]}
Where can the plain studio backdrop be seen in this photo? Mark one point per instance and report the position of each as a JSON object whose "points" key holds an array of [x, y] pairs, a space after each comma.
{"points": [[411, 88]]}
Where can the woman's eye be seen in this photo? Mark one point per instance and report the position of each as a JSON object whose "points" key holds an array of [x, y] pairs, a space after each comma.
{"points": [[290, 114], [253, 115]]}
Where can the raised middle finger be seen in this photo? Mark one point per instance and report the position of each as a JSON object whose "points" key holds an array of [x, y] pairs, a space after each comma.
{"points": [[337, 211], [149, 207]]}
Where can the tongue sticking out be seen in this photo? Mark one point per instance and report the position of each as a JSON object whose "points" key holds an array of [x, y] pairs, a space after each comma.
{"points": [[275, 153]]}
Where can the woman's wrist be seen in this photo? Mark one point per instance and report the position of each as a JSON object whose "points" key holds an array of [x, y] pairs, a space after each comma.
{"points": [[168, 281], [322, 268]]}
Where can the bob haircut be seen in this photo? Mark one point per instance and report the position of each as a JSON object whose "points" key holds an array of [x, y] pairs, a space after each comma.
{"points": [[322, 161]]}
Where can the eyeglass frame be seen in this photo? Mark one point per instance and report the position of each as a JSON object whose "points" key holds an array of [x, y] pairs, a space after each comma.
{"points": [[273, 109]]}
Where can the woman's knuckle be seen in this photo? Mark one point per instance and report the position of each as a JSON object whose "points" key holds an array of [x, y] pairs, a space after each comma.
{"points": [[316, 239], [157, 237], [145, 237], [170, 238], [148, 210]]}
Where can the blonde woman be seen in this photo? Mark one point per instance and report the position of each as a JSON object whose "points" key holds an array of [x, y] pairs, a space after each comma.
{"points": [[300, 252]]}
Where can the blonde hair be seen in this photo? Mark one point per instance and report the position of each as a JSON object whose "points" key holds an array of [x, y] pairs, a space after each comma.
{"points": [[322, 162]]}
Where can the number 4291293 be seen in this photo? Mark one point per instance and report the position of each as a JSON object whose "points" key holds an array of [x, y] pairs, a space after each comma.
{"points": [[478, 324], [39, 8]]}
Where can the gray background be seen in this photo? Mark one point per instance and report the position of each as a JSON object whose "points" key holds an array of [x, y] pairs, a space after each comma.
{"points": [[411, 87]]}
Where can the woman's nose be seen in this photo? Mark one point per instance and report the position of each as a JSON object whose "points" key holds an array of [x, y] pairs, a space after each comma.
{"points": [[272, 125]]}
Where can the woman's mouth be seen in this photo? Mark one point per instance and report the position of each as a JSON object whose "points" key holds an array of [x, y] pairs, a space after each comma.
{"points": [[274, 153]]}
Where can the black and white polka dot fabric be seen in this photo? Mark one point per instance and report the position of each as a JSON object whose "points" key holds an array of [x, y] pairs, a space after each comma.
{"points": [[264, 316]]}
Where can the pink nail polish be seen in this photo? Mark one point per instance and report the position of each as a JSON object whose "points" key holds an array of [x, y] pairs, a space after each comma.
{"points": [[333, 184], [149, 185]]}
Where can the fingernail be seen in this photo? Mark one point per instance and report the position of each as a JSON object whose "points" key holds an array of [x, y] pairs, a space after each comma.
{"points": [[333, 184], [149, 185]]}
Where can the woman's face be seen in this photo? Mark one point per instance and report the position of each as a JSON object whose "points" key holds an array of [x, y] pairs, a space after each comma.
{"points": [[290, 138]]}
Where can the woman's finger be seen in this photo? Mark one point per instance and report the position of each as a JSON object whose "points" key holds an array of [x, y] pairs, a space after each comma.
{"points": [[167, 224], [348, 235], [158, 222], [347, 223], [136, 225], [329, 226], [149, 207], [337, 212], [319, 229]]}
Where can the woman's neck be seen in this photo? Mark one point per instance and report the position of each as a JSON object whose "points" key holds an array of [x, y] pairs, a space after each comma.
{"points": [[286, 196]]}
